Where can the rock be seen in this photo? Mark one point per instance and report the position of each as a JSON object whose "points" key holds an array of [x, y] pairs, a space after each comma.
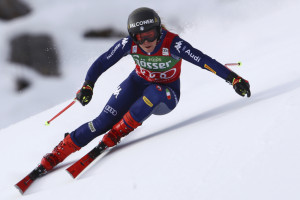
{"points": [[22, 84], [10, 9], [37, 52]]}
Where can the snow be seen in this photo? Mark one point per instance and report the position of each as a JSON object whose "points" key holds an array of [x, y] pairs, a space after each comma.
{"points": [[214, 145]]}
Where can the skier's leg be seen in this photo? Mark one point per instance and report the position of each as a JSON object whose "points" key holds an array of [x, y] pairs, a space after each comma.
{"points": [[156, 99], [119, 103], [116, 107]]}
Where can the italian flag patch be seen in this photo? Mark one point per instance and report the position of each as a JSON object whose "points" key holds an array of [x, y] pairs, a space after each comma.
{"points": [[168, 93]]}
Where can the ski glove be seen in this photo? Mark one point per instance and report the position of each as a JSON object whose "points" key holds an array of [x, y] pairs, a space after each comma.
{"points": [[240, 85], [84, 95]]}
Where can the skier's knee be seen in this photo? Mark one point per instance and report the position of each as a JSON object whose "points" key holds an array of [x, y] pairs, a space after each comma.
{"points": [[153, 95]]}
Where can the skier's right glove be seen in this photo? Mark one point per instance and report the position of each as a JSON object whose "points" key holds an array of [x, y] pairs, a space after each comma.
{"points": [[84, 95]]}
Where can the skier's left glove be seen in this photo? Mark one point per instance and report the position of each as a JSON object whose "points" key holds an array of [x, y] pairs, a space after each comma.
{"points": [[84, 95], [240, 85]]}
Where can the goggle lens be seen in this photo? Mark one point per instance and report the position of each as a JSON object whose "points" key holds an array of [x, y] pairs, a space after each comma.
{"points": [[150, 36]]}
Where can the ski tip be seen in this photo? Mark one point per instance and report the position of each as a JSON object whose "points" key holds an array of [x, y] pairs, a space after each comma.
{"points": [[72, 175], [21, 191]]}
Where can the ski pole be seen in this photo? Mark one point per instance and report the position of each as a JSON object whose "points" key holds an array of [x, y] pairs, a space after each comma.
{"points": [[233, 64], [63, 110]]}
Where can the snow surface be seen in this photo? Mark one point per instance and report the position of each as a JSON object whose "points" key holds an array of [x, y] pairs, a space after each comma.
{"points": [[214, 146]]}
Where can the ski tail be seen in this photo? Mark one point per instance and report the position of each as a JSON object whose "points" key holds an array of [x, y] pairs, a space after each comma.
{"points": [[24, 184], [75, 169]]}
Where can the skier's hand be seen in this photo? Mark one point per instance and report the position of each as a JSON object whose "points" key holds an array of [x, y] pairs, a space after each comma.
{"points": [[240, 85], [84, 95]]}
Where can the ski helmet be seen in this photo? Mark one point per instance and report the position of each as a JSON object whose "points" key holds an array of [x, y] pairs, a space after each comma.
{"points": [[142, 20]]}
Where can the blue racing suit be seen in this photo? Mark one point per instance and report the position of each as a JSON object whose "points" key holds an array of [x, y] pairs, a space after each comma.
{"points": [[153, 87]]}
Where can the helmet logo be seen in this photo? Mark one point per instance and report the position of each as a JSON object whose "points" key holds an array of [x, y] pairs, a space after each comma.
{"points": [[140, 23]]}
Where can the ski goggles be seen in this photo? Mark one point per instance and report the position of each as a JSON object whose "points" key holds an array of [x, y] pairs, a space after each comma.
{"points": [[150, 36]]}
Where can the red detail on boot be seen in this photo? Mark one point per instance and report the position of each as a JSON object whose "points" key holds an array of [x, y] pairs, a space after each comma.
{"points": [[59, 153], [130, 121], [120, 129], [111, 138]]}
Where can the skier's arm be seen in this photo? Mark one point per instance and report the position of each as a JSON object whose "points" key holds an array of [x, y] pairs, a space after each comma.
{"points": [[181, 48], [105, 61], [108, 59]]}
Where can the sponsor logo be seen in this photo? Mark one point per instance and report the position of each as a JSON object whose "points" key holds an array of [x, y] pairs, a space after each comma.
{"points": [[91, 127], [152, 65], [109, 109], [158, 88], [117, 92], [134, 49], [165, 51], [154, 59], [147, 101], [158, 75], [210, 69], [178, 46], [196, 58], [113, 51], [140, 23], [124, 42]]}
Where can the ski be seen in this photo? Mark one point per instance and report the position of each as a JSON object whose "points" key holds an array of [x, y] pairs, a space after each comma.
{"points": [[24, 184], [74, 169], [82, 163]]}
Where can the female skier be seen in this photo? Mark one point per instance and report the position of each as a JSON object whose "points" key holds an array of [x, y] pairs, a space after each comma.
{"points": [[153, 87]]}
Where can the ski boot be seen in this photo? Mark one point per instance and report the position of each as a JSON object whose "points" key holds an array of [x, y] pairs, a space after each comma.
{"points": [[120, 129], [59, 153]]}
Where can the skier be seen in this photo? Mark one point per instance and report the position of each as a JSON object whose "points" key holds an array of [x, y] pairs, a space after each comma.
{"points": [[153, 87]]}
